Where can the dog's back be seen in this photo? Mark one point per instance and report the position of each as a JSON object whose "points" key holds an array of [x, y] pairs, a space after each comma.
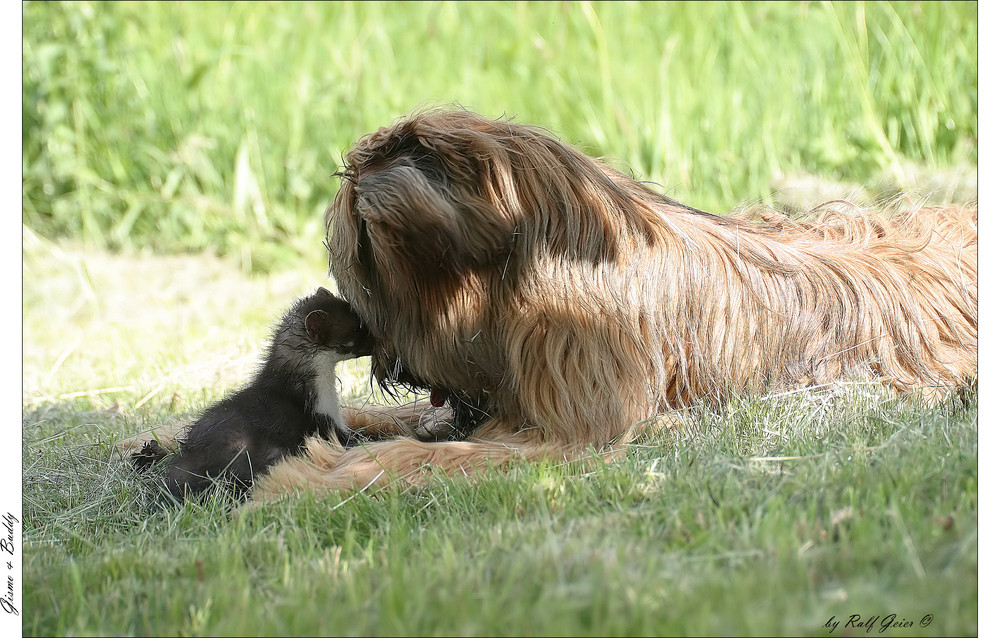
{"points": [[502, 265], [755, 304]]}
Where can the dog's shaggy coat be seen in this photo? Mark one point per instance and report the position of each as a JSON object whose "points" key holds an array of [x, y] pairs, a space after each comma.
{"points": [[566, 302]]}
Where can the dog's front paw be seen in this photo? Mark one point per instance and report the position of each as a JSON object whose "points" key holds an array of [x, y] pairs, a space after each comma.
{"points": [[436, 424]]}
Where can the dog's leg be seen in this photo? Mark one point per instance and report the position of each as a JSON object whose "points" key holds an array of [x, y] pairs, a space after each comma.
{"points": [[419, 420], [326, 465]]}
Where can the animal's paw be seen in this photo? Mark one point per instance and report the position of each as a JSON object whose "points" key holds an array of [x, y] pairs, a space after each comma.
{"points": [[148, 456], [166, 436], [436, 424]]}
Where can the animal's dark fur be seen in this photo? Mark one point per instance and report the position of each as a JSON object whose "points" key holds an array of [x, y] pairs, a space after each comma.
{"points": [[288, 400]]}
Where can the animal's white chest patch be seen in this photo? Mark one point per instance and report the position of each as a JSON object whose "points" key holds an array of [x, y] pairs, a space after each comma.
{"points": [[327, 387]]}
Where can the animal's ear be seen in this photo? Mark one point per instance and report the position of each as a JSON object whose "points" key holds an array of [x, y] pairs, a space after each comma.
{"points": [[323, 293], [408, 219], [317, 326], [415, 218]]}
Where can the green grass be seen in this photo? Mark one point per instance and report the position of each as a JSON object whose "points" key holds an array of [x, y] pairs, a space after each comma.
{"points": [[217, 126], [689, 535], [212, 129], [771, 516]]}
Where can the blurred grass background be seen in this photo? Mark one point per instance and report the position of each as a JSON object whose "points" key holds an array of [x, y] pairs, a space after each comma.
{"points": [[193, 126]]}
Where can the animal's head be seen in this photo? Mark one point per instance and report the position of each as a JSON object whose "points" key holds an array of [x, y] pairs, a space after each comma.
{"points": [[444, 202], [331, 324], [316, 324], [445, 219]]}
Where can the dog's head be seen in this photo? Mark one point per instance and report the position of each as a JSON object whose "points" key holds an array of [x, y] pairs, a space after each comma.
{"points": [[437, 195], [423, 195], [440, 217]]}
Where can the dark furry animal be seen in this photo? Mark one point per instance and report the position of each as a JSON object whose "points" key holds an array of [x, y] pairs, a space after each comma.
{"points": [[292, 396]]}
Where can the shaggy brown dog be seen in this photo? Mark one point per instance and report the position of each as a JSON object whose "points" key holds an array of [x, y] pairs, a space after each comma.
{"points": [[555, 303]]}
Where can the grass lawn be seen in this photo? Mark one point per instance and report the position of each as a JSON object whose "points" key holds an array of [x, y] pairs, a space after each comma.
{"points": [[775, 515], [176, 163]]}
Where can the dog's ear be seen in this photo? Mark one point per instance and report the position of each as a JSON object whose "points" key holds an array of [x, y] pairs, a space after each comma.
{"points": [[413, 218], [408, 219]]}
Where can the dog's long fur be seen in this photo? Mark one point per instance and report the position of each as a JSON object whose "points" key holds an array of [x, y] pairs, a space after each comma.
{"points": [[505, 270]]}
